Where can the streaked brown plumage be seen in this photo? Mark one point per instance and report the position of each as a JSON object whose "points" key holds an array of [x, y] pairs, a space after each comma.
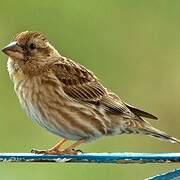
{"points": [[66, 98]]}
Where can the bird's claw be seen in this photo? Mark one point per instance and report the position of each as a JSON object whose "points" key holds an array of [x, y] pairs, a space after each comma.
{"points": [[49, 151], [78, 151], [57, 152]]}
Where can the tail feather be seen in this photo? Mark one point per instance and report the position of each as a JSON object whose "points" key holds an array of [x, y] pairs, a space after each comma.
{"points": [[151, 131]]}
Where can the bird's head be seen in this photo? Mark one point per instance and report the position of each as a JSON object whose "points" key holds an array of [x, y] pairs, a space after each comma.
{"points": [[30, 46]]}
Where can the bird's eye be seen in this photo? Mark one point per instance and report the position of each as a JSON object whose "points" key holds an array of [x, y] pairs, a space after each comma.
{"points": [[32, 46]]}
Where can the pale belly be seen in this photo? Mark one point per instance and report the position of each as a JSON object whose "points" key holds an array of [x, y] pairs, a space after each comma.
{"points": [[68, 119]]}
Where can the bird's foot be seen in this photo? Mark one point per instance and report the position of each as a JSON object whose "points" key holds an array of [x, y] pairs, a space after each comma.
{"points": [[71, 151], [48, 151], [56, 151]]}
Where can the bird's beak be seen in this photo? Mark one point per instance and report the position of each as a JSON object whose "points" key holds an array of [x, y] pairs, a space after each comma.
{"points": [[14, 51]]}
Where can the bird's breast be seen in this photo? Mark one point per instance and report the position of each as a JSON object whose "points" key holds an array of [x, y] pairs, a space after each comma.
{"points": [[46, 103]]}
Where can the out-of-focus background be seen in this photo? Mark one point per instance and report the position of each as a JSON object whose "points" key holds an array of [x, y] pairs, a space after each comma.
{"points": [[132, 46]]}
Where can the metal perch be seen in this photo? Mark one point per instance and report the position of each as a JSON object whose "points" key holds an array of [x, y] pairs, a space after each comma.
{"points": [[173, 175], [118, 158]]}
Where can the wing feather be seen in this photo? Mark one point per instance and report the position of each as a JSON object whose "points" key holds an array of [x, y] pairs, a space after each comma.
{"points": [[82, 85], [140, 112]]}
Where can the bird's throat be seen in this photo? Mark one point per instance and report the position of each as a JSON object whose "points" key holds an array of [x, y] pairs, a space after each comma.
{"points": [[18, 76]]}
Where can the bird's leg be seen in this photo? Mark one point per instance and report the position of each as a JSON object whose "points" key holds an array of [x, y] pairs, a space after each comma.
{"points": [[71, 149], [57, 146], [53, 150]]}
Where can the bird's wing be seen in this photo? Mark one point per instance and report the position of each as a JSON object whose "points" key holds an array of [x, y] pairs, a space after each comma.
{"points": [[140, 112], [82, 85]]}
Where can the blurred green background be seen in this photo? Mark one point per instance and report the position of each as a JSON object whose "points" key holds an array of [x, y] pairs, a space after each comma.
{"points": [[132, 46]]}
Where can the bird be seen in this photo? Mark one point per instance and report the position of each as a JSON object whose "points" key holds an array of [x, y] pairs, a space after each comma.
{"points": [[67, 99]]}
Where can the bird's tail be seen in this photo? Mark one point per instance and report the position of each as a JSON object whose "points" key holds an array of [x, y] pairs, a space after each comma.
{"points": [[151, 131]]}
